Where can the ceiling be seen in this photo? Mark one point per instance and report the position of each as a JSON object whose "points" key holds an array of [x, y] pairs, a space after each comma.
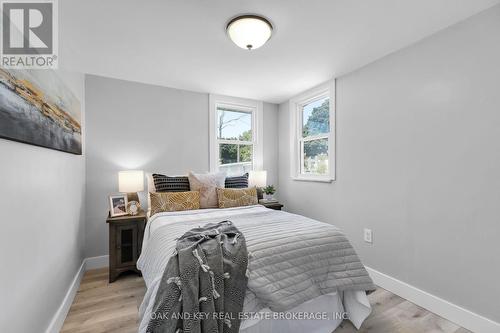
{"points": [[182, 43]]}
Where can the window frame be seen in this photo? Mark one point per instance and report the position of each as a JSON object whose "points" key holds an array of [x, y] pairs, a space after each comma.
{"points": [[236, 104], [297, 140]]}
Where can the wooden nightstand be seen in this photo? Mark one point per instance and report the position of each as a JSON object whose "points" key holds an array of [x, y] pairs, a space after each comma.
{"points": [[272, 205], [125, 243]]}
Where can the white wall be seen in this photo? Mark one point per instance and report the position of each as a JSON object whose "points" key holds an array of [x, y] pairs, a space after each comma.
{"points": [[42, 238], [157, 129], [418, 158]]}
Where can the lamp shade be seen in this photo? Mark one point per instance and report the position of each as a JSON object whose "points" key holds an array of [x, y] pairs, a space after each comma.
{"points": [[131, 181], [257, 178]]}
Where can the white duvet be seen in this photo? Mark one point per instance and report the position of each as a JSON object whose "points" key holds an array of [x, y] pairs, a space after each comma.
{"points": [[295, 251]]}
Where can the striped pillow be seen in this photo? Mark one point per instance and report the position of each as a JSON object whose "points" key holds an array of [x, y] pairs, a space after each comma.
{"points": [[171, 184], [237, 182]]}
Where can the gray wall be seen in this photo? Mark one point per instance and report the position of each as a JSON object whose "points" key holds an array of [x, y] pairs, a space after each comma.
{"points": [[157, 129], [42, 237], [418, 157], [271, 143]]}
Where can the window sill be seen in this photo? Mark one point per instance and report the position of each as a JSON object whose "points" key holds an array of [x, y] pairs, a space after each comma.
{"points": [[314, 179]]}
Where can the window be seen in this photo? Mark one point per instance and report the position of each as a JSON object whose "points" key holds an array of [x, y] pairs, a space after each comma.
{"points": [[312, 141], [234, 134]]}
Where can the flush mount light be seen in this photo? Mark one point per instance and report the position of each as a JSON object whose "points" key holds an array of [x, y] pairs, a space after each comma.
{"points": [[249, 31]]}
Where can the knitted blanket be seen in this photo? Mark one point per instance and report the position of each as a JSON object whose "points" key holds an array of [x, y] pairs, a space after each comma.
{"points": [[203, 286]]}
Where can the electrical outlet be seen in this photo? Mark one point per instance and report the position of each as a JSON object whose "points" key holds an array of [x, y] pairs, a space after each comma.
{"points": [[368, 236]]}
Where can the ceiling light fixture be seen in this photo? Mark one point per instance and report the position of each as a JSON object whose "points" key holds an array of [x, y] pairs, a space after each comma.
{"points": [[249, 31]]}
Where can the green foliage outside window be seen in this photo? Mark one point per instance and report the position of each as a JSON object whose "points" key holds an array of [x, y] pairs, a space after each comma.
{"points": [[316, 151], [228, 152], [319, 120]]}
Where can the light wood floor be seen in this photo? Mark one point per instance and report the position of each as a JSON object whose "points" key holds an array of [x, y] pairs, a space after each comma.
{"points": [[102, 307]]}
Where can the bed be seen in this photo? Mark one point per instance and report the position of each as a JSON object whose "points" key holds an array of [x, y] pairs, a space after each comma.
{"points": [[292, 249]]}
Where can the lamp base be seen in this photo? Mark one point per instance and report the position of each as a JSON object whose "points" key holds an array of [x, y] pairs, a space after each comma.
{"points": [[132, 196], [260, 193]]}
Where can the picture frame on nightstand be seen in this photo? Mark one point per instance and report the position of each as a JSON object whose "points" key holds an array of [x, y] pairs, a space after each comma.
{"points": [[118, 205]]}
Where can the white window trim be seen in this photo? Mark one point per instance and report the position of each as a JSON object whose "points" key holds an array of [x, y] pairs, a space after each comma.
{"points": [[296, 103], [248, 105]]}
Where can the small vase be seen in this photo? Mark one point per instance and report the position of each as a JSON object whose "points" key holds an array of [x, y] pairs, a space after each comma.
{"points": [[268, 197]]}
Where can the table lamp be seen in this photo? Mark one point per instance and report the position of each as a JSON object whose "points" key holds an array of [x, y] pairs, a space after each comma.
{"points": [[131, 182], [259, 180]]}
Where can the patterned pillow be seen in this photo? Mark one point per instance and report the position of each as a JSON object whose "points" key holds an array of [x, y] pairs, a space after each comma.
{"points": [[171, 184], [231, 197], [237, 182], [207, 184], [174, 201]]}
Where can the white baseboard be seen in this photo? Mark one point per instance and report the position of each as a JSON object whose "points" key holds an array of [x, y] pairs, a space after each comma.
{"points": [[96, 262], [454, 313], [58, 320], [88, 263]]}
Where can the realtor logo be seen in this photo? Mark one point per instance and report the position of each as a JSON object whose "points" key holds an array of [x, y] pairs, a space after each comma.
{"points": [[29, 34]]}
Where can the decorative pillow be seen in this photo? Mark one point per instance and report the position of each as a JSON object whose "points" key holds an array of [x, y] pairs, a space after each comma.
{"points": [[174, 201], [171, 184], [232, 197], [237, 182], [207, 185]]}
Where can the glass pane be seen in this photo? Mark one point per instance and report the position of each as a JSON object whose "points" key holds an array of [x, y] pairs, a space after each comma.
{"points": [[127, 253], [127, 247], [316, 117], [235, 159], [228, 153], [246, 153], [234, 125], [316, 157], [127, 237], [236, 169]]}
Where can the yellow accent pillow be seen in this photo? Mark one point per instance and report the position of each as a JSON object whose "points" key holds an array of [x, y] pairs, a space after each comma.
{"points": [[236, 197], [174, 201]]}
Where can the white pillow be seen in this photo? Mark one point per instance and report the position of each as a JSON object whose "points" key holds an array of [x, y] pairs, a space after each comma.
{"points": [[207, 185], [151, 182]]}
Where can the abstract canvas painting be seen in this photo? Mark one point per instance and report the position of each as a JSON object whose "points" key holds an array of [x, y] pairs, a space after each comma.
{"points": [[36, 107]]}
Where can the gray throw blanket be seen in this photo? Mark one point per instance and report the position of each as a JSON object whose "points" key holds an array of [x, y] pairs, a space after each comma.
{"points": [[203, 286]]}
